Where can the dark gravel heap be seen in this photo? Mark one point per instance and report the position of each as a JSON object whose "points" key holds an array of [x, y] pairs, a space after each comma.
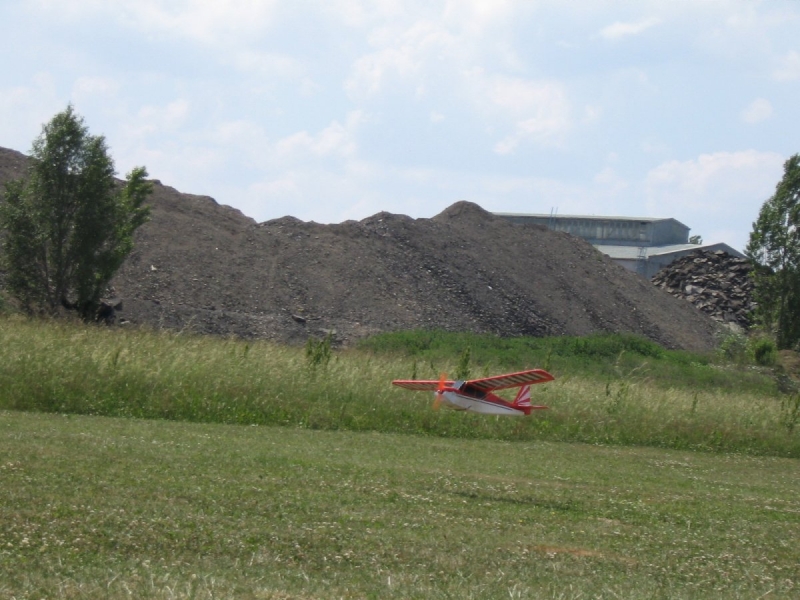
{"points": [[715, 282], [207, 268]]}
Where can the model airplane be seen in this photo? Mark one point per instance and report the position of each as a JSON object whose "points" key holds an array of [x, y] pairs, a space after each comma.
{"points": [[475, 395]]}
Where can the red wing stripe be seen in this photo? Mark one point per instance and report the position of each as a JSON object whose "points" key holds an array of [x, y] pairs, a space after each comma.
{"points": [[420, 385], [487, 384], [512, 380]]}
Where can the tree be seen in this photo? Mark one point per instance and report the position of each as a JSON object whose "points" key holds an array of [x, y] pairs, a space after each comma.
{"points": [[774, 248], [697, 240], [69, 225]]}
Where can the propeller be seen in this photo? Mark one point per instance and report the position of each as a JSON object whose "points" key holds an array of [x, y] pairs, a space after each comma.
{"points": [[437, 401]]}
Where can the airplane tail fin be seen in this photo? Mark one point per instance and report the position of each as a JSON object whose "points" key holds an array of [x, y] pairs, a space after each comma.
{"points": [[523, 400]]}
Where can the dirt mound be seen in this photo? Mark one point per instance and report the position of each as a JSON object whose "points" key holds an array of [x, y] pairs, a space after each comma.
{"points": [[208, 268], [12, 164], [715, 282]]}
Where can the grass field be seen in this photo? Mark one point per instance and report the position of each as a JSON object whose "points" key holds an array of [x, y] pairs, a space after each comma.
{"points": [[158, 465], [94, 507], [613, 390]]}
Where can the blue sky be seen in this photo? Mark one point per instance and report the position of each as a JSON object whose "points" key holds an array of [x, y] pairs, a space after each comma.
{"points": [[339, 109]]}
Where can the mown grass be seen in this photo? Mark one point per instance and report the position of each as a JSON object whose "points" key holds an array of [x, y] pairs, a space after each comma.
{"points": [[74, 369], [92, 507]]}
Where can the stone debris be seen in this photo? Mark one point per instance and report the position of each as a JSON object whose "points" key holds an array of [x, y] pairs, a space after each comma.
{"points": [[715, 282], [201, 267]]}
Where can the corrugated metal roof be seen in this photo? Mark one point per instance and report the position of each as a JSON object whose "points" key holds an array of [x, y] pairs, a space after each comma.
{"points": [[591, 217], [632, 252]]}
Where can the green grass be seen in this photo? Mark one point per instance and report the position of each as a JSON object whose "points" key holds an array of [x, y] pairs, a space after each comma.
{"points": [[606, 357], [58, 368], [92, 507]]}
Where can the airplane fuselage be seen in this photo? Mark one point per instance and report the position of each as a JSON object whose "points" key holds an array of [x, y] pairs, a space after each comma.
{"points": [[489, 405]]}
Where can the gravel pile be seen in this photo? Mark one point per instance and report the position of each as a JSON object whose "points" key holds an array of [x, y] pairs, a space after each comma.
{"points": [[203, 267]]}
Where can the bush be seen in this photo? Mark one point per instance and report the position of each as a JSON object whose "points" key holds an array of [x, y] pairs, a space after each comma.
{"points": [[764, 351], [734, 348]]}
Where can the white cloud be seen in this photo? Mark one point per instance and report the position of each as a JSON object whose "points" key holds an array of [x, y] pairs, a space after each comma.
{"points": [[401, 55], [152, 119], [249, 137], [335, 140], [320, 192], [477, 15], [361, 13], [610, 181], [758, 110], [539, 109], [716, 191], [369, 71], [94, 87], [267, 63], [31, 105], [201, 20], [710, 177], [620, 30], [205, 21], [788, 68]]}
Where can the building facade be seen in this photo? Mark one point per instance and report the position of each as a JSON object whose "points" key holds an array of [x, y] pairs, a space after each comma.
{"points": [[643, 245]]}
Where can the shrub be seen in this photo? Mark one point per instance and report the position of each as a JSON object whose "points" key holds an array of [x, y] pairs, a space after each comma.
{"points": [[764, 351]]}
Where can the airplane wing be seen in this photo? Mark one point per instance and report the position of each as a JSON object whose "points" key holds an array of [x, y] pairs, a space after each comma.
{"points": [[487, 384], [501, 382], [420, 385]]}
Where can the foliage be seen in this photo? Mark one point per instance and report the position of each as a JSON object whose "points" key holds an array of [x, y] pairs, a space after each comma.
{"points": [[734, 348], [790, 412], [774, 248], [73, 369], [764, 351], [602, 357], [696, 239], [463, 371], [68, 229], [744, 350], [318, 352]]}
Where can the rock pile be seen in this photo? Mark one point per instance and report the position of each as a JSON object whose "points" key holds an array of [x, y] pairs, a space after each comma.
{"points": [[201, 267], [715, 282]]}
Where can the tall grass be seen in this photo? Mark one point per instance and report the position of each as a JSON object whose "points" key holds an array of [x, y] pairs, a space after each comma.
{"points": [[55, 367], [600, 356]]}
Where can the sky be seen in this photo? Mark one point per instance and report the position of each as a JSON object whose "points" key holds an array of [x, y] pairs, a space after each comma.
{"points": [[339, 109]]}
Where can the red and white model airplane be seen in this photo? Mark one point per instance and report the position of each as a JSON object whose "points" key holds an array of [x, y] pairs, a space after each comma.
{"points": [[475, 395]]}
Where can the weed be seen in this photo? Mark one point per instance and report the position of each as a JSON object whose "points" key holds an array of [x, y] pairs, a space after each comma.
{"points": [[548, 359], [597, 356], [318, 352], [463, 371], [790, 412], [79, 369], [734, 348], [764, 351]]}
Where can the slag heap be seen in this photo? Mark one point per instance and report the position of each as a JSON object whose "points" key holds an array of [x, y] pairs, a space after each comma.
{"points": [[717, 283]]}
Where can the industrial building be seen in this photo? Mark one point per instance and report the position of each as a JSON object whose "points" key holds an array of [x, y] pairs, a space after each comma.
{"points": [[641, 244]]}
